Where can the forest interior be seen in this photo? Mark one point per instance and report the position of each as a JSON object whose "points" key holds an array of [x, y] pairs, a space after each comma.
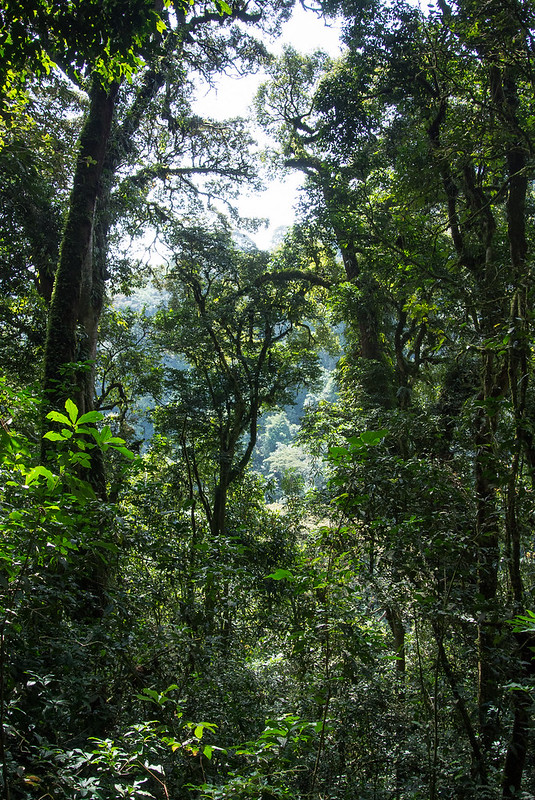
{"points": [[266, 514]]}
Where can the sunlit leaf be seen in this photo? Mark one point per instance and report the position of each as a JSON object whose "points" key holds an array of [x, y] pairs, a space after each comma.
{"points": [[71, 409], [55, 416]]}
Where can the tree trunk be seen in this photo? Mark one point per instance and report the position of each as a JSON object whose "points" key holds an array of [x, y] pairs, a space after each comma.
{"points": [[76, 299], [519, 372], [73, 318], [516, 752], [226, 455], [393, 617]]}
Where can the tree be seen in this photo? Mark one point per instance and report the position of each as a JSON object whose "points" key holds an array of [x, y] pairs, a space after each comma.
{"points": [[456, 98], [378, 602], [416, 147], [151, 41], [349, 207], [242, 325]]}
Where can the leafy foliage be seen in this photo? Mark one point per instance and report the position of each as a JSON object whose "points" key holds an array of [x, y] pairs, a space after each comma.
{"points": [[164, 629]]}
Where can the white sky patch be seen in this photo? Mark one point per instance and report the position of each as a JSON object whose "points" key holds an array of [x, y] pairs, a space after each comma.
{"points": [[233, 97]]}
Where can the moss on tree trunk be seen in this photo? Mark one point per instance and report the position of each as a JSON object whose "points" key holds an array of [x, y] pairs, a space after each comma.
{"points": [[67, 343]]}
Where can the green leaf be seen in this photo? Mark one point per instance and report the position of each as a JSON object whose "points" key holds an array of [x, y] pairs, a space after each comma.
{"points": [[105, 434], [88, 432], [91, 416], [149, 694], [373, 437], [54, 436], [55, 416], [280, 574], [41, 472], [200, 726], [124, 451], [523, 623], [82, 459], [72, 410], [338, 452]]}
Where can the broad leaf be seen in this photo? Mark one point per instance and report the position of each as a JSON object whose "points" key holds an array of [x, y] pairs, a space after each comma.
{"points": [[72, 410], [280, 574], [55, 416], [90, 416], [41, 472], [54, 436]]}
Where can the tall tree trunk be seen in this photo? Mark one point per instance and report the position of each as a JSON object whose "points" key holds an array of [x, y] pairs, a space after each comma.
{"points": [[76, 300], [506, 96], [219, 514], [476, 255], [74, 313]]}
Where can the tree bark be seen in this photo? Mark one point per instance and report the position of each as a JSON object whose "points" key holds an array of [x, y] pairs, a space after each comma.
{"points": [[74, 313], [518, 745], [519, 370], [73, 303]]}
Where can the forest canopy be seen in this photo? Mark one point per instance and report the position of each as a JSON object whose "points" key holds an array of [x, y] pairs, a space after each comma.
{"points": [[266, 516]]}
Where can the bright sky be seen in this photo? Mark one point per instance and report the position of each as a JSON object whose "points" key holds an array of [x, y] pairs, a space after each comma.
{"points": [[233, 97]]}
